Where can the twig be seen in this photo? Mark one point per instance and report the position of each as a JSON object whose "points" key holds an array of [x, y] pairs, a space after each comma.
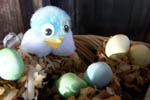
{"points": [[147, 96]]}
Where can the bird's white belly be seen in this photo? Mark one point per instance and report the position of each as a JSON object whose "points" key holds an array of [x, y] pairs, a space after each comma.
{"points": [[67, 47], [34, 45]]}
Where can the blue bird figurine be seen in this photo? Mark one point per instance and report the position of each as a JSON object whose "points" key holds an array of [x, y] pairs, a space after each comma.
{"points": [[50, 32]]}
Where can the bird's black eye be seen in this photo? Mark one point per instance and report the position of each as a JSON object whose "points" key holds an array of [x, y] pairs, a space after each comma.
{"points": [[66, 28], [48, 32]]}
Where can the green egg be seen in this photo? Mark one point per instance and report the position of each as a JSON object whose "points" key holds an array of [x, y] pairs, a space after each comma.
{"points": [[11, 64], [70, 84]]}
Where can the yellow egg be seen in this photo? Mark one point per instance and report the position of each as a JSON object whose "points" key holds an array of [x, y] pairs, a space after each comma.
{"points": [[139, 54], [117, 45]]}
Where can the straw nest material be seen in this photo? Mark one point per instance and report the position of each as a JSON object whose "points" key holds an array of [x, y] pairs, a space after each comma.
{"points": [[130, 82]]}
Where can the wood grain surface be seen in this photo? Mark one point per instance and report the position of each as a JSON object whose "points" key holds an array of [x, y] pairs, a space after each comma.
{"points": [[100, 17]]}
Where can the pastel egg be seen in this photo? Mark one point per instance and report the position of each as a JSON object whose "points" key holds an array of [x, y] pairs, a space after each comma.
{"points": [[70, 84], [98, 74], [117, 45], [139, 54], [11, 64]]}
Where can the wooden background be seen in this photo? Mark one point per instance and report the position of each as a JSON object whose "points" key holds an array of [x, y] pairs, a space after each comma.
{"points": [[101, 17]]}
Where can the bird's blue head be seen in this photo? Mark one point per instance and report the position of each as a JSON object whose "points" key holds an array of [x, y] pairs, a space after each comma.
{"points": [[51, 24]]}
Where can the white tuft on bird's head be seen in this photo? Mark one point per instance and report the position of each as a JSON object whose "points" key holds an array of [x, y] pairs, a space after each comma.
{"points": [[51, 22]]}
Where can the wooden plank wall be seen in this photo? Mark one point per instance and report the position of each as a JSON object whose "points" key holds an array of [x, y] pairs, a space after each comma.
{"points": [[10, 17], [101, 17]]}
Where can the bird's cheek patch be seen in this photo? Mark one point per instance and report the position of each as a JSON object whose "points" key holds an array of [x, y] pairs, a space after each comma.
{"points": [[54, 42]]}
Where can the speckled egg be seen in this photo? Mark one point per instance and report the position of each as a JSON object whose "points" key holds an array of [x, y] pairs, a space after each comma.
{"points": [[70, 84], [98, 74], [117, 46], [11, 64], [139, 54]]}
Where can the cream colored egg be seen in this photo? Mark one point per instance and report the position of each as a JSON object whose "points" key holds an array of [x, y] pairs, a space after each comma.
{"points": [[139, 54], [117, 45]]}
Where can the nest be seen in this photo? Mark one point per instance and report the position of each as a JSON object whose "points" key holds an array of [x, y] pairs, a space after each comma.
{"points": [[129, 82]]}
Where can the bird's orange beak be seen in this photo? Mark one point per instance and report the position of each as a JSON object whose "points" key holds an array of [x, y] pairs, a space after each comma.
{"points": [[55, 42]]}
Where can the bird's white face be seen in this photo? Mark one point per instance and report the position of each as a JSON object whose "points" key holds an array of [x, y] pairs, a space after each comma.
{"points": [[51, 25], [48, 31]]}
